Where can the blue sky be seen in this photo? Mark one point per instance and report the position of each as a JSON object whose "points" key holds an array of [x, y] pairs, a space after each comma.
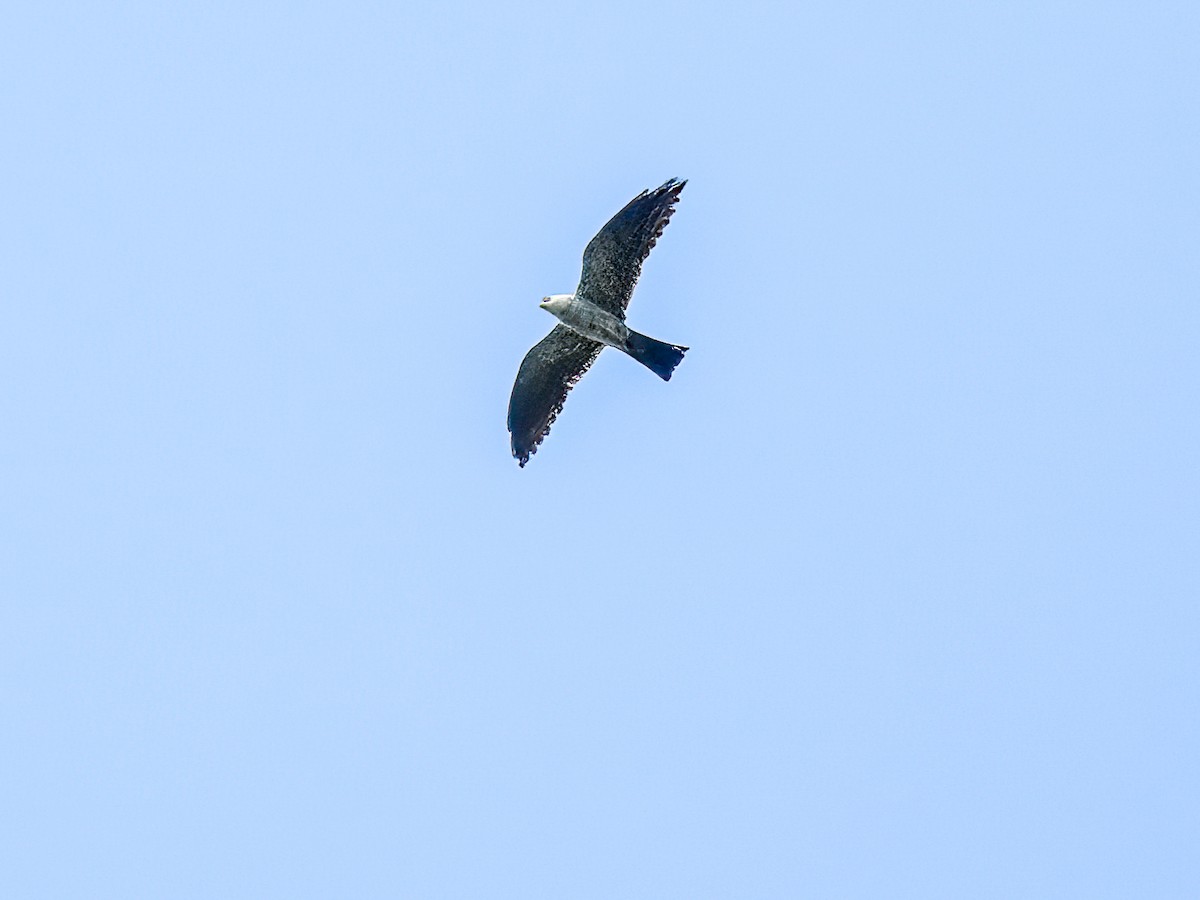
{"points": [[890, 592]]}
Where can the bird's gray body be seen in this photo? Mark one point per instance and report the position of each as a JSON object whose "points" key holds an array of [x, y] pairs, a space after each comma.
{"points": [[588, 319], [593, 318]]}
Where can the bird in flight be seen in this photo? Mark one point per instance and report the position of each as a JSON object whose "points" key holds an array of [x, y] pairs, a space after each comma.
{"points": [[593, 318]]}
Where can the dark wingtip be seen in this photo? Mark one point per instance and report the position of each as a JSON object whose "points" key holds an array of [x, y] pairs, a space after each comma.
{"points": [[522, 455]]}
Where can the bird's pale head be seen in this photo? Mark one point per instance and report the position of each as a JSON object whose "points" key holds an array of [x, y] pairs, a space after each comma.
{"points": [[556, 303]]}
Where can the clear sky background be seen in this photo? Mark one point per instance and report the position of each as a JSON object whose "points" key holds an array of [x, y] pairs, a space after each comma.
{"points": [[891, 592]]}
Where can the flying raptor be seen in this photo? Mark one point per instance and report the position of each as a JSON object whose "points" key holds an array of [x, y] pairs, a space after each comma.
{"points": [[593, 318]]}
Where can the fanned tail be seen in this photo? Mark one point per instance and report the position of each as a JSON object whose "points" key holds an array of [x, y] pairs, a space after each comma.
{"points": [[659, 357]]}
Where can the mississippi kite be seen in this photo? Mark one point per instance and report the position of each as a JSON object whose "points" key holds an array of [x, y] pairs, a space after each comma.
{"points": [[593, 318]]}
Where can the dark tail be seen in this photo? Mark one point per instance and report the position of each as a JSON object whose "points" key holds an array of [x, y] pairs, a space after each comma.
{"points": [[659, 357]]}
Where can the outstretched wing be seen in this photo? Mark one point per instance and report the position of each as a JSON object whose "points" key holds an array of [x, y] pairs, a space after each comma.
{"points": [[547, 373], [613, 258]]}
